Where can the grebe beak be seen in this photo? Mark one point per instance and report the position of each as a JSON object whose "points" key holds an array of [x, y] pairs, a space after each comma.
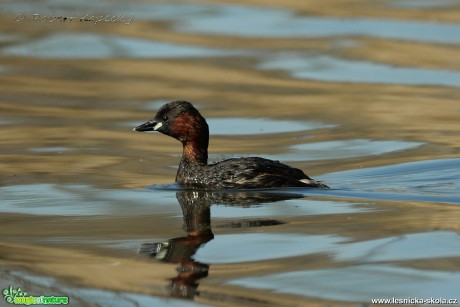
{"points": [[149, 126]]}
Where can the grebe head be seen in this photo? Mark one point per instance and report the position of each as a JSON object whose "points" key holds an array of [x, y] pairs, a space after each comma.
{"points": [[180, 120]]}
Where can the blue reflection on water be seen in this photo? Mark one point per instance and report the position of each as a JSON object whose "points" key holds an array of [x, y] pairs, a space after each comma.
{"points": [[292, 207], [325, 68], [263, 246], [423, 4], [359, 283], [75, 200], [402, 247], [332, 150], [430, 177], [426, 181], [82, 46], [243, 126], [256, 21]]}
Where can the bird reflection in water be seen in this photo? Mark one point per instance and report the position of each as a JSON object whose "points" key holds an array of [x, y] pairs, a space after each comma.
{"points": [[196, 208]]}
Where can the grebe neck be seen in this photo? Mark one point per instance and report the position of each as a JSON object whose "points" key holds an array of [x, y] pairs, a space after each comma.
{"points": [[195, 152]]}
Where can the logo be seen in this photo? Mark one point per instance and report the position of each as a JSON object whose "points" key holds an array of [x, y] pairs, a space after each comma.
{"points": [[19, 297]]}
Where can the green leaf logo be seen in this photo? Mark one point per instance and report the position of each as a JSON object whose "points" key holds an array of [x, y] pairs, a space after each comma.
{"points": [[9, 294]]}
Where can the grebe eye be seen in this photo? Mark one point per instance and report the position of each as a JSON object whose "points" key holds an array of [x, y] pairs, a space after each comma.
{"points": [[165, 118]]}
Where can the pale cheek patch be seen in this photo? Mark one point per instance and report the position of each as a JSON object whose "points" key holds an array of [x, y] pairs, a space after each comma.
{"points": [[158, 126]]}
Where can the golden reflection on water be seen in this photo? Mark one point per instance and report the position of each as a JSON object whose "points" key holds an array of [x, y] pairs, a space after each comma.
{"points": [[67, 121]]}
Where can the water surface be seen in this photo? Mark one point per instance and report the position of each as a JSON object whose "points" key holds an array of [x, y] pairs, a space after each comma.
{"points": [[325, 68], [81, 192], [250, 21], [93, 46]]}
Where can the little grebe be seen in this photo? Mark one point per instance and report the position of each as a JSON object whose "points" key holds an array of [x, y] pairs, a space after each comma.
{"points": [[180, 120]]}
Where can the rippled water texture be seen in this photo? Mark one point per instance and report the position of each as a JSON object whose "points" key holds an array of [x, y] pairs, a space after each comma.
{"points": [[362, 95]]}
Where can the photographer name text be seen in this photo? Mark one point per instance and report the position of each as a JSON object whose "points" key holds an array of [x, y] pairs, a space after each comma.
{"points": [[95, 19]]}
